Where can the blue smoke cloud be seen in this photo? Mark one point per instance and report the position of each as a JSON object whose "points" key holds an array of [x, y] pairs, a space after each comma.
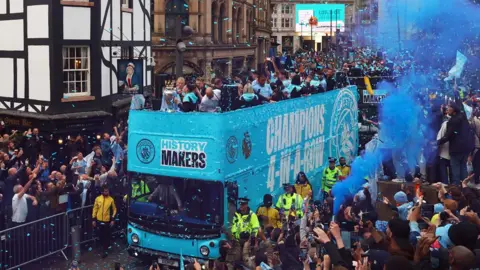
{"points": [[432, 31]]}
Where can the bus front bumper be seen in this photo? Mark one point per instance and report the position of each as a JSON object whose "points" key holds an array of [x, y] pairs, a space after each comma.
{"points": [[163, 258]]}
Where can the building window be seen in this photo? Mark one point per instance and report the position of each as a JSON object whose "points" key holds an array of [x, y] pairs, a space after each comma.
{"points": [[76, 70], [285, 22], [285, 9], [238, 31], [125, 3], [274, 22], [222, 24], [127, 52], [174, 8]]}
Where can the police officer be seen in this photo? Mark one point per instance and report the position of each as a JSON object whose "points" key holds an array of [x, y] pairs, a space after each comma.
{"points": [[331, 174], [245, 222], [290, 202]]}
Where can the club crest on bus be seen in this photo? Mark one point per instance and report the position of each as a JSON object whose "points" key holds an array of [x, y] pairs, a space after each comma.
{"points": [[344, 117], [145, 151], [231, 149], [246, 145]]}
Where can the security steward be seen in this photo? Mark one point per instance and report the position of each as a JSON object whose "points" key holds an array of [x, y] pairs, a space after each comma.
{"points": [[139, 191], [344, 169], [290, 203], [245, 228], [331, 175], [268, 216], [104, 212]]}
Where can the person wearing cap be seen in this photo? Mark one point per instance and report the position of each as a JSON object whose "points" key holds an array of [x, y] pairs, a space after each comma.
{"points": [[268, 216], [403, 205], [290, 201], [330, 177], [344, 168], [132, 81], [245, 222]]}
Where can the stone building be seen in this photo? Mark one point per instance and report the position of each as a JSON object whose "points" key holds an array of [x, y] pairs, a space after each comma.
{"points": [[228, 35]]}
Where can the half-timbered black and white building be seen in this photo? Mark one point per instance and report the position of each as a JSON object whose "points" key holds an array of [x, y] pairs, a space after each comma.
{"points": [[58, 61]]}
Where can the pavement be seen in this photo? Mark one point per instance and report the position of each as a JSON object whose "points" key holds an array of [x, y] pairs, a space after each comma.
{"points": [[91, 259]]}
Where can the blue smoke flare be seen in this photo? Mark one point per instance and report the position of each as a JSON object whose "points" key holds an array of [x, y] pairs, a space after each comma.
{"points": [[432, 31]]}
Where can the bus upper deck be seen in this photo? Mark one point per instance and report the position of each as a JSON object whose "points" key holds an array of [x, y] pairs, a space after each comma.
{"points": [[267, 144]]}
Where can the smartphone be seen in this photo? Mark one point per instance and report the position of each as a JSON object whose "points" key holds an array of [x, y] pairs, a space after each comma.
{"points": [[154, 264], [269, 59], [303, 254]]}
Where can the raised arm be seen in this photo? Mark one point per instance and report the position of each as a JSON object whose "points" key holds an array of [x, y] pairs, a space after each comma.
{"points": [[27, 185]]}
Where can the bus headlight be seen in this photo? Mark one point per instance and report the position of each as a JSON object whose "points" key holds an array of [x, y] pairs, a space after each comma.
{"points": [[135, 238], [204, 250]]}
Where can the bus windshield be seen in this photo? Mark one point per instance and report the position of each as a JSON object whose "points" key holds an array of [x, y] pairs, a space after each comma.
{"points": [[175, 201]]}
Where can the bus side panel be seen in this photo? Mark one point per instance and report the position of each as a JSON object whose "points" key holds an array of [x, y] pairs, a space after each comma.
{"points": [[175, 144], [267, 146]]}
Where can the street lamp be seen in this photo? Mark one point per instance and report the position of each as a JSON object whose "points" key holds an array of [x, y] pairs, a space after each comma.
{"points": [[301, 33], [313, 21], [181, 31]]}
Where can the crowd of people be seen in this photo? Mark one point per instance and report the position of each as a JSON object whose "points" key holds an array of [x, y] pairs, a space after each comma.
{"points": [[31, 187], [300, 230], [300, 233]]}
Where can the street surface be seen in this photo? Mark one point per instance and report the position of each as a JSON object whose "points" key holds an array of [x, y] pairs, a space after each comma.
{"points": [[91, 259]]}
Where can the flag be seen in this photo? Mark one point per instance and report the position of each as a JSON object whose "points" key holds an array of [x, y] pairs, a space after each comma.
{"points": [[89, 158], [468, 110], [457, 69], [182, 266], [368, 85]]}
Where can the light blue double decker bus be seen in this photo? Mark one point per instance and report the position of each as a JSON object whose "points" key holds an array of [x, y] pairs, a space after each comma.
{"points": [[186, 170]]}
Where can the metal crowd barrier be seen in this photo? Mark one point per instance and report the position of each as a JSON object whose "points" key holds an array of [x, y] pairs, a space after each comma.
{"points": [[39, 239], [33, 241]]}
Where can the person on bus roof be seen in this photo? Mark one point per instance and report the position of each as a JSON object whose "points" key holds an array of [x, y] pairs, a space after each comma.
{"points": [[245, 222], [190, 99], [268, 216], [303, 186], [248, 98], [290, 202]]}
